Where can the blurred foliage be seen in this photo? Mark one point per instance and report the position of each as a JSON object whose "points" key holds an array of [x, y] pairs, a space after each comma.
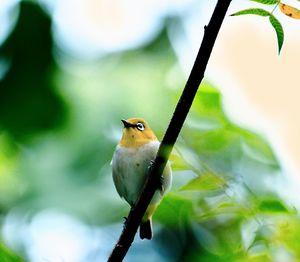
{"points": [[28, 101], [59, 124], [229, 208], [8, 256]]}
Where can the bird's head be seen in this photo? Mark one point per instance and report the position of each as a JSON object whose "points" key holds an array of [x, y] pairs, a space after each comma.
{"points": [[136, 133]]}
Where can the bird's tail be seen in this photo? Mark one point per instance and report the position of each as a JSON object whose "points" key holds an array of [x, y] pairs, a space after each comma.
{"points": [[146, 229]]}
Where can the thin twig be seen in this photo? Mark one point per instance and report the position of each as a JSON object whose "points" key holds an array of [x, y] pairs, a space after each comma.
{"points": [[183, 106]]}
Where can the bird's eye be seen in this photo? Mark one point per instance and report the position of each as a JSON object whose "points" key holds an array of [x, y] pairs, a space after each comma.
{"points": [[140, 126]]}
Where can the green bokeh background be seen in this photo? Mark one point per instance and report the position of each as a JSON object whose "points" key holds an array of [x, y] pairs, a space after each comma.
{"points": [[58, 131]]}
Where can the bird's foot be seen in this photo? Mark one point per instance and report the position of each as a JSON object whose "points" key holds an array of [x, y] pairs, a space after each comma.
{"points": [[125, 222], [161, 179], [161, 183], [151, 163]]}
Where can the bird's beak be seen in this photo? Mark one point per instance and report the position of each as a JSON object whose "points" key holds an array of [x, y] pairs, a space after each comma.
{"points": [[126, 124]]}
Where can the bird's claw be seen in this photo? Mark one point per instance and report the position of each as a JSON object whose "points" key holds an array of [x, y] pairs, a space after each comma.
{"points": [[125, 222], [161, 183], [151, 163], [161, 179]]}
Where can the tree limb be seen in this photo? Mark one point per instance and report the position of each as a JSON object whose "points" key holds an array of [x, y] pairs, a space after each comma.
{"points": [[183, 106]]}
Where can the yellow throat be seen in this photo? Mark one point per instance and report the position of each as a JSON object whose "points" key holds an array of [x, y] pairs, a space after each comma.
{"points": [[136, 133]]}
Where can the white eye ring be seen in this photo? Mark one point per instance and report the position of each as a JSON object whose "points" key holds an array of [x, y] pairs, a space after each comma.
{"points": [[140, 126]]}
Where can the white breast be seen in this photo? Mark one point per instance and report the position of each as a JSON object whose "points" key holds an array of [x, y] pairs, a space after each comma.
{"points": [[130, 167]]}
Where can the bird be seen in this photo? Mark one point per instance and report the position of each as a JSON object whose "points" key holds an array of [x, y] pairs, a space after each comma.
{"points": [[131, 161]]}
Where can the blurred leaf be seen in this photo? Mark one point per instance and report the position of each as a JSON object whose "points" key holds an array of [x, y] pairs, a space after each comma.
{"points": [[222, 210], [288, 233], [272, 206], [263, 257], [258, 149], [177, 162], [29, 103], [262, 240], [289, 11], [7, 255], [174, 209], [223, 146], [208, 105], [207, 181]]}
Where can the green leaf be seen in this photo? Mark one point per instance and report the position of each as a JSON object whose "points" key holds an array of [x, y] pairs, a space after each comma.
{"points": [[257, 149], [273, 20], [7, 255], [272, 206], [174, 209], [207, 181], [208, 105], [279, 31], [266, 2], [252, 11]]}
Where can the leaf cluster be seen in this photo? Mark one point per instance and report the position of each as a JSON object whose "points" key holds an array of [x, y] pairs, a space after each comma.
{"points": [[226, 206], [288, 10]]}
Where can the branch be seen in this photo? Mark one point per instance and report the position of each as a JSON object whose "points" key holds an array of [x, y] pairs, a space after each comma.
{"points": [[183, 106]]}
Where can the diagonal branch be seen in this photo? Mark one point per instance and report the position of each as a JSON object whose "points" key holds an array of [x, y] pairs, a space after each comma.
{"points": [[183, 106]]}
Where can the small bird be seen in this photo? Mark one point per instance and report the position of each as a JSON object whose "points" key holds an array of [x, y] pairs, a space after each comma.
{"points": [[131, 161]]}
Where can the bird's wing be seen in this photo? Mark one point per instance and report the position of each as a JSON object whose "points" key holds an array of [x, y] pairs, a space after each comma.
{"points": [[116, 174]]}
